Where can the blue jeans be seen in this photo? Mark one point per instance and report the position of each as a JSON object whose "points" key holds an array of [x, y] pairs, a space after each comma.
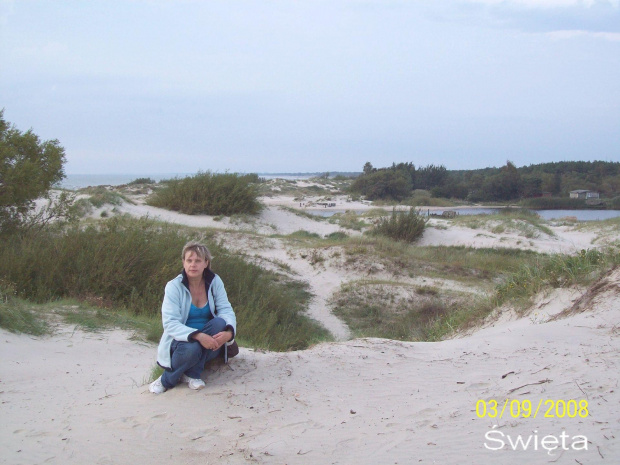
{"points": [[190, 357]]}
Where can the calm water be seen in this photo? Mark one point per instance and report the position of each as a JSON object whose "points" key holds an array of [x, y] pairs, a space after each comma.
{"points": [[77, 181], [581, 215]]}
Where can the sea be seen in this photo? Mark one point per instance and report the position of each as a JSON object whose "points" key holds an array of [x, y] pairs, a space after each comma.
{"points": [[78, 181]]}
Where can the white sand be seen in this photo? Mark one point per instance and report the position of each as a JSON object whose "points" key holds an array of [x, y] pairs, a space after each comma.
{"points": [[75, 398]]}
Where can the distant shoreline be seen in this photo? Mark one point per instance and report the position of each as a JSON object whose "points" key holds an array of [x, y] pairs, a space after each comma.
{"points": [[78, 181]]}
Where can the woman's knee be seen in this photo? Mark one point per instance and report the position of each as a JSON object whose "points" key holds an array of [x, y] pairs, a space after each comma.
{"points": [[219, 324], [214, 326], [187, 351]]}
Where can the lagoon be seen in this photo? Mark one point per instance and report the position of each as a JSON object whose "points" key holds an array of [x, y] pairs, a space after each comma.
{"points": [[581, 215]]}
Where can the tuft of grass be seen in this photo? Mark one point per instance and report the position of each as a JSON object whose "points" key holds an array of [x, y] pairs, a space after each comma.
{"points": [[337, 236], [210, 194], [156, 372], [427, 290], [124, 264], [401, 226], [303, 234], [17, 316]]}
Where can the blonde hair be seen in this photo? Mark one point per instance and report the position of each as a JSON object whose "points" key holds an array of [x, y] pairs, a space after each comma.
{"points": [[199, 249]]}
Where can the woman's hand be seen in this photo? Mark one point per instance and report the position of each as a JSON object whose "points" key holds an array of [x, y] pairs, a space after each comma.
{"points": [[207, 341], [222, 338]]}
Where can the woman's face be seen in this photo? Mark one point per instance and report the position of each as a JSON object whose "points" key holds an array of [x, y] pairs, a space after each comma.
{"points": [[194, 265]]}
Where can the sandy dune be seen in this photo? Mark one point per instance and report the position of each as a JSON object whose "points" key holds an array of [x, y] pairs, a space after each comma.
{"points": [[326, 280], [79, 398]]}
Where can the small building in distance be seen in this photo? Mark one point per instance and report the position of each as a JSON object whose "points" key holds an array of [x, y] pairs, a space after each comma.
{"points": [[583, 194]]}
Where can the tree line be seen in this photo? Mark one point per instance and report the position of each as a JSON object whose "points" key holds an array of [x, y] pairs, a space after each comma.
{"points": [[397, 182]]}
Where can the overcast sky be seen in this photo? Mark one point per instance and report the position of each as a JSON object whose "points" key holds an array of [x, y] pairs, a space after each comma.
{"points": [[310, 85]]}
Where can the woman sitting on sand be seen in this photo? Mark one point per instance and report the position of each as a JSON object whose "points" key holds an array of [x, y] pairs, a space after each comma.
{"points": [[198, 321]]}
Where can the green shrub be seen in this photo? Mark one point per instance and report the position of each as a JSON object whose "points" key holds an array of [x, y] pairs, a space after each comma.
{"points": [[402, 226], [337, 236], [141, 181], [125, 263], [210, 194], [303, 234]]}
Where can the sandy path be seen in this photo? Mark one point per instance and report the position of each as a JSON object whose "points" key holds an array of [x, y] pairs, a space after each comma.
{"points": [[322, 281]]}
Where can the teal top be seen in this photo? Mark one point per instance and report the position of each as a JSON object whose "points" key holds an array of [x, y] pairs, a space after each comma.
{"points": [[198, 317]]}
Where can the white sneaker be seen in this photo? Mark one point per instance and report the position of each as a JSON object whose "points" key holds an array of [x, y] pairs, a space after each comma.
{"points": [[193, 383], [156, 387]]}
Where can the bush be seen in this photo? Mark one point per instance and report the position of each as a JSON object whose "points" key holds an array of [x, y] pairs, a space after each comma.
{"points": [[141, 181], [126, 263], [337, 236], [210, 194], [402, 226]]}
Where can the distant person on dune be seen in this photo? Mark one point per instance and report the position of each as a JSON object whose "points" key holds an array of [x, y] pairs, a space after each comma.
{"points": [[199, 322]]}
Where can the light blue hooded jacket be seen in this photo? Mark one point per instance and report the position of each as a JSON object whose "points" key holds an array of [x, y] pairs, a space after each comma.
{"points": [[175, 311]]}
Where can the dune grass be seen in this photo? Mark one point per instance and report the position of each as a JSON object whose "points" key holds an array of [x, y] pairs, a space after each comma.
{"points": [[553, 271], [18, 315], [480, 266], [424, 313], [210, 194], [124, 264], [405, 312]]}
